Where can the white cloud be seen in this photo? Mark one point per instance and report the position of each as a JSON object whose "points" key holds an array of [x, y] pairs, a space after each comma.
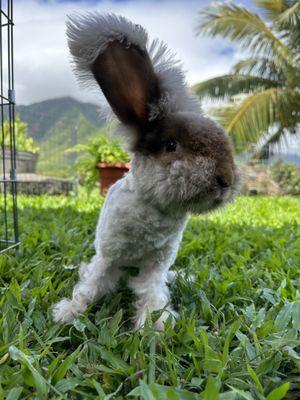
{"points": [[42, 68]]}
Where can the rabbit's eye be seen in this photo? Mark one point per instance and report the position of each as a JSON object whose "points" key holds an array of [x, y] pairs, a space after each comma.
{"points": [[171, 145]]}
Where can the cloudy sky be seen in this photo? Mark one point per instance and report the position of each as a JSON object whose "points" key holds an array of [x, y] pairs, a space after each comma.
{"points": [[42, 63]]}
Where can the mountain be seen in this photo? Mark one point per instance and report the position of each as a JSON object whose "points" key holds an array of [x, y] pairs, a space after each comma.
{"points": [[57, 125]]}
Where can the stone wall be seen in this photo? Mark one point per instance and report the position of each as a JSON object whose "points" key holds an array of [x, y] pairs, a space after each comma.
{"points": [[35, 184], [26, 161], [257, 181]]}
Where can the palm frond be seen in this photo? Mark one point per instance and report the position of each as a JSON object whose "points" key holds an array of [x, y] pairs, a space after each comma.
{"points": [[226, 86], [271, 9], [263, 89], [289, 23], [265, 67], [248, 121], [242, 26], [264, 150], [290, 17]]}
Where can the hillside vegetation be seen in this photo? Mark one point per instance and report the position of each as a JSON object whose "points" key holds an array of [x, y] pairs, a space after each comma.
{"points": [[56, 125]]}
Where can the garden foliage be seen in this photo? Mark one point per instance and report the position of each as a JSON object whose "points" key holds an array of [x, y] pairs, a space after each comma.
{"points": [[287, 176], [22, 140], [100, 149]]}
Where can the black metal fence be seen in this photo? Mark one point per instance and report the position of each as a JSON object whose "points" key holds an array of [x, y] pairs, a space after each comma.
{"points": [[8, 186]]}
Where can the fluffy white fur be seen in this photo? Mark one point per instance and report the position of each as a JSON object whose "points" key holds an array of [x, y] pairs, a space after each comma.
{"points": [[130, 231], [144, 214]]}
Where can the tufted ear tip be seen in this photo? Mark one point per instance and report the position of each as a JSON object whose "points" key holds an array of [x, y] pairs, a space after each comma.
{"points": [[113, 50]]}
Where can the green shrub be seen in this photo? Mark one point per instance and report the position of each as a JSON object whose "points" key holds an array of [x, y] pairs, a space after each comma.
{"points": [[23, 141], [101, 149], [287, 176]]}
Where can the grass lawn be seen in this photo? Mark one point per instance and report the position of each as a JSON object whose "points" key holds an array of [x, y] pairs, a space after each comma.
{"points": [[238, 294]]}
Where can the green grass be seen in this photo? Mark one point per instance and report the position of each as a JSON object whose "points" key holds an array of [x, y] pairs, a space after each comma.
{"points": [[238, 295]]}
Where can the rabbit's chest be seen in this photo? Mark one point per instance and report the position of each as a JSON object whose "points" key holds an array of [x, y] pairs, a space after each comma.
{"points": [[135, 234]]}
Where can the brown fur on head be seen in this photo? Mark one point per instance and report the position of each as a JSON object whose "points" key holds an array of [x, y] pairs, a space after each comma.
{"points": [[191, 140], [197, 173]]}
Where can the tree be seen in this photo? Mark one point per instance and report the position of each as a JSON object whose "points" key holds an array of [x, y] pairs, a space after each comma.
{"points": [[263, 90]]}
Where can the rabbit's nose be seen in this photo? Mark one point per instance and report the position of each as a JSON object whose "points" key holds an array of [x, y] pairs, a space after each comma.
{"points": [[225, 180]]}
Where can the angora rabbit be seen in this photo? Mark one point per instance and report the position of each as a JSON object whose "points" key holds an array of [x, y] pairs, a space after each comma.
{"points": [[182, 163]]}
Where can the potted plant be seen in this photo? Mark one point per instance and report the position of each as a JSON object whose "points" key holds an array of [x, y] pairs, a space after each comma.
{"points": [[101, 158], [113, 163]]}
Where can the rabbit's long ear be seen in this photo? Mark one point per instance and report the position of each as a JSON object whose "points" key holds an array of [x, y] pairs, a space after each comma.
{"points": [[126, 77], [113, 51]]}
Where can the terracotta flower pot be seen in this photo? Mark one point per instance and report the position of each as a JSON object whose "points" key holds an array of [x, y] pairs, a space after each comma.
{"points": [[110, 173]]}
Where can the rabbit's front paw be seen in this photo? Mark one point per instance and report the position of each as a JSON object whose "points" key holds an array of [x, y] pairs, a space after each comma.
{"points": [[159, 323], [64, 311]]}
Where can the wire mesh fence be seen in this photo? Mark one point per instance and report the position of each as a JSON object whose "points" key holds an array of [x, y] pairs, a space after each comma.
{"points": [[8, 185]]}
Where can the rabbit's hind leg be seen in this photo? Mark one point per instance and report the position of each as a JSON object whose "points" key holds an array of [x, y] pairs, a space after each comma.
{"points": [[95, 280], [152, 292]]}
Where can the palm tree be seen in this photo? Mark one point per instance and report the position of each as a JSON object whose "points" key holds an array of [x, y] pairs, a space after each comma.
{"points": [[263, 90]]}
